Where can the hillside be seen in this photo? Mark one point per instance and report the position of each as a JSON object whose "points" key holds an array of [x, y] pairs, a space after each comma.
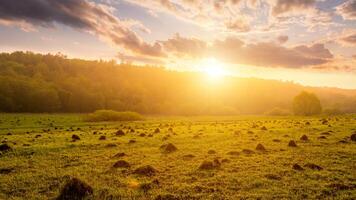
{"points": [[52, 83]]}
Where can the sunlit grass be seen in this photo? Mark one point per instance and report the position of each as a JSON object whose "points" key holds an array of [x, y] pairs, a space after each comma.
{"points": [[241, 177]]}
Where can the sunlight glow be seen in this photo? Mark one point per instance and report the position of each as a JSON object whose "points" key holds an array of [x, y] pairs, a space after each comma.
{"points": [[213, 68]]}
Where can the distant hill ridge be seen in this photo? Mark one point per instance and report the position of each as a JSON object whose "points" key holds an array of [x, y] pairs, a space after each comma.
{"points": [[32, 82]]}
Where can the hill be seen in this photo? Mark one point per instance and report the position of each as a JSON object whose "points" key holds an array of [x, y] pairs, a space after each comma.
{"points": [[32, 82]]}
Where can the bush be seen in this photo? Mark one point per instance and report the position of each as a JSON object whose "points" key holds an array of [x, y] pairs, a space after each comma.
{"points": [[278, 112], [110, 115]]}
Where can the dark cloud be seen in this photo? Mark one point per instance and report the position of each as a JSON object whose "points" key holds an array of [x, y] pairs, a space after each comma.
{"points": [[347, 10], [285, 6], [79, 14], [74, 13]]}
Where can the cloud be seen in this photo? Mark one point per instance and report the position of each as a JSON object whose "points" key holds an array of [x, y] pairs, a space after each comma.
{"points": [[347, 10], [238, 25], [282, 39], [301, 12], [349, 39], [291, 6], [335, 68], [99, 20], [315, 50], [180, 46], [83, 15], [269, 54], [235, 51], [218, 14]]}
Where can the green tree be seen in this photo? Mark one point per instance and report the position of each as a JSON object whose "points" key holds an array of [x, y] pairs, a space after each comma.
{"points": [[306, 104]]}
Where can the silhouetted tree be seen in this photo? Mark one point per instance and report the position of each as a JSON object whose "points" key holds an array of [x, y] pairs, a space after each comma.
{"points": [[306, 104]]}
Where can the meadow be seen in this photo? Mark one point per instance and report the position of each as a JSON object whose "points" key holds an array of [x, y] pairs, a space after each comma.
{"points": [[205, 157]]}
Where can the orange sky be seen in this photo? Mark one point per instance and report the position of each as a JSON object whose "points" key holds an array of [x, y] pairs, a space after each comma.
{"points": [[307, 41]]}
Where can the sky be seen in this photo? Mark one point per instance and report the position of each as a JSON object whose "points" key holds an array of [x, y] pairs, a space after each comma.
{"points": [[311, 42]]}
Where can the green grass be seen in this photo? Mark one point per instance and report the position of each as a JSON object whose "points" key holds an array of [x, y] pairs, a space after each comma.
{"points": [[41, 166]]}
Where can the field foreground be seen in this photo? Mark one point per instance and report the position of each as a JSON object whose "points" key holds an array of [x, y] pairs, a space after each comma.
{"points": [[241, 157]]}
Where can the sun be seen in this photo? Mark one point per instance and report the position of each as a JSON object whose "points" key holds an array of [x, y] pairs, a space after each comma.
{"points": [[213, 68]]}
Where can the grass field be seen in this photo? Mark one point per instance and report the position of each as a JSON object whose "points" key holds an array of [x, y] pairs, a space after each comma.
{"points": [[215, 157]]}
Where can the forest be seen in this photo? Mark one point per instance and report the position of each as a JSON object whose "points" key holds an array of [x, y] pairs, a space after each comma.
{"points": [[31, 82]]}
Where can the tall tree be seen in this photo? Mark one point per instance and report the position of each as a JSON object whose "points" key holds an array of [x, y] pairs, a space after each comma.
{"points": [[306, 104]]}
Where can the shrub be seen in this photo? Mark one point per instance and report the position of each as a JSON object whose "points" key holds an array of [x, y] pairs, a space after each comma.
{"points": [[278, 112], [110, 115]]}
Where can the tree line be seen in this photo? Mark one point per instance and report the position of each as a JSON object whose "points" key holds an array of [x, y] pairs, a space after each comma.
{"points": [[31, 82]]}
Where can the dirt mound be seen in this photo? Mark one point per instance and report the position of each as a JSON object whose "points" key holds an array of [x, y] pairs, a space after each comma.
{"points": [[233, 153], [324, 121], [209, 165], [121, 164], [247, 151], [110, 145], [103, 137], [353, 137], [206, 165], [313, 166], [75, 189], [75, 137], [120, 133], [292, 143], [6, 170], [4, 147], [119, 155], [188, 156], [260, 147], [157, 130], [146, 170], [273, 177], [297, 167], [263, 128], [211, 151], [304, 138], [168, 148]]}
